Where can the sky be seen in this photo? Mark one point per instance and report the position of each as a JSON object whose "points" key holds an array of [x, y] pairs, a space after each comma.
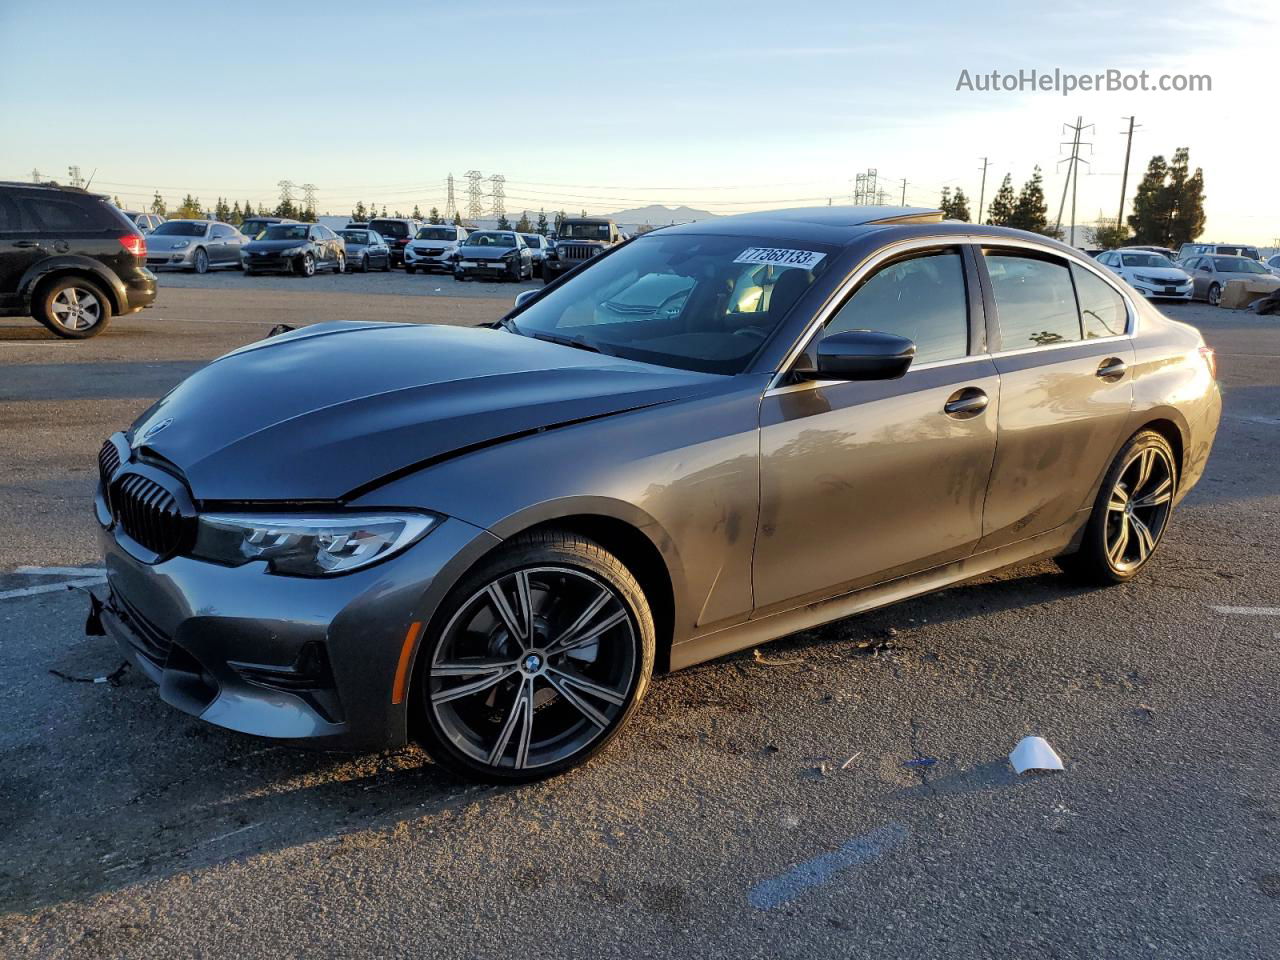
{"points": [[723, 106]]}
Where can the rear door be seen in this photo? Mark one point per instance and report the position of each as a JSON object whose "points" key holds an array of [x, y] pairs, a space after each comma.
{"points": [[865, 481], [19, 247], [1064, 357]]}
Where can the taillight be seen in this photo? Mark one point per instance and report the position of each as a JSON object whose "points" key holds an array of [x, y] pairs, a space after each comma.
{"points": [[1210, 361], [135, 243]]}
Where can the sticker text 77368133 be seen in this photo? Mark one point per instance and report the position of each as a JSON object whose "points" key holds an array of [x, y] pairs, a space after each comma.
{"points": [[780, 257]]}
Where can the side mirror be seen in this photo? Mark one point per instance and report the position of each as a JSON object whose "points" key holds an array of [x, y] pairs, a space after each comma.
{"points": [[858, 355], [524, 296]]}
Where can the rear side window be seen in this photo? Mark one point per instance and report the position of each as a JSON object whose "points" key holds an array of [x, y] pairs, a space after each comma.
{"points": [[922, 299], [56, 214], [1035, 302], [10, 220], [1102, 309]]}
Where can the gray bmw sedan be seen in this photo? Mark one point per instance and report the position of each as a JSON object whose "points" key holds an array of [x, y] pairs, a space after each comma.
{"points": [[488, 539]]}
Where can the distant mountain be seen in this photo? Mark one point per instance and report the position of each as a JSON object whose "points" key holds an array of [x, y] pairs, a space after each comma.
{"points": [[659, 216]]}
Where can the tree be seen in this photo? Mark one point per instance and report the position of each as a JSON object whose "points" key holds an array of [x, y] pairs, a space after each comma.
{"points": [[1000, 213], [287, 209], [417, 214], [1186, 200], [116, 201], [457, 218], [1108, 234], [221, 211], [542, 222], [190, 209], [584, 213], [384, 209], [358, 214], [307, 215], [434, 217], [248, 210], [157, 204], [236, 217], [1149, 220], [523, 225], [504, 223], [1030, 212], [954, 207]]}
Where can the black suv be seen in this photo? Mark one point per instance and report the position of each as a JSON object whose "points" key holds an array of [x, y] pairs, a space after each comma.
{"points": [[70, 259], [397, 231]]}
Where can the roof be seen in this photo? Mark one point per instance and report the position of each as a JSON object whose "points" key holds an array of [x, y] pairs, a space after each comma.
{"points": [[44, 186], [819, 224]]}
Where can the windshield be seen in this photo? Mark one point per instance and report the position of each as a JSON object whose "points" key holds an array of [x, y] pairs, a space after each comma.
{"points": [[491, 238], [356, 236], [1238, 265], [176, 228], [251, 228], [285, 231], [390, 228], [532, 239], [693, 302], [584, 231], [1145, 260], [438, 233], [1250, 252]]}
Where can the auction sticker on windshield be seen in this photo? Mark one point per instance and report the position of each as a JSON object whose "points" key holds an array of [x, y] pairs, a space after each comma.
{"points": [[780, 257]]}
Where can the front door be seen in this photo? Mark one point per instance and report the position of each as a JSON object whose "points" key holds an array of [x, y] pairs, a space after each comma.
{"points": [[20, 247], [1066, 390], [865, 481]]}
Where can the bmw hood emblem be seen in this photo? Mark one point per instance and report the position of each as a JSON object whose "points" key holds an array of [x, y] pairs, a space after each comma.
{"points": [[155, 428]]}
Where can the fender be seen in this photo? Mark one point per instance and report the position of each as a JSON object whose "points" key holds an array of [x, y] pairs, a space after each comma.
{"points": [[74, 263]]}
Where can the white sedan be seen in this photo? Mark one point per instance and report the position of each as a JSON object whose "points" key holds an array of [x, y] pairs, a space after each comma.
{"points": [[1151, 274], [1273, 265]]}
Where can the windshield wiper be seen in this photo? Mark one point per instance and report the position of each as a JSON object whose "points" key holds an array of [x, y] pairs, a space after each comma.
{"points": [[506, 323], [577, 342]]}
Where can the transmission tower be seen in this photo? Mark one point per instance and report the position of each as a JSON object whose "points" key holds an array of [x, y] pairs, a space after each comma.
{"points": [[473, 195], [73, 174], [35, 175], [450, 205], [309, 196], [1073, 172], [286, 192], [498, 188], [865, 191]]}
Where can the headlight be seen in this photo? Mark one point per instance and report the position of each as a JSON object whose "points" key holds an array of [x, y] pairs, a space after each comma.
{"points": [[182, 244], [291, 252], [307, 546]]}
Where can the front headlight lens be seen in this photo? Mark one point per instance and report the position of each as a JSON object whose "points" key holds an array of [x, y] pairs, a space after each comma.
{"points": [[182, 244], [307, 546]]}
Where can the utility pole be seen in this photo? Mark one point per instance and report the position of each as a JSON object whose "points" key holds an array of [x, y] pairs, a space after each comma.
{"points": [[1124, 178], [982, 190], [473, 195], [904, 191], [73, 174], [35, 174], [450, 205], [1073, 173]]}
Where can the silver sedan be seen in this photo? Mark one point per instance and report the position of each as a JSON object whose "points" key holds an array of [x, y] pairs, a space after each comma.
{"points": [[198, 245]]}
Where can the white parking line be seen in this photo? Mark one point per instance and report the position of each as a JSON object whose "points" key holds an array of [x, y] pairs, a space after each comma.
{"points": [[62, 571], [1248, 611], [49, 588]]}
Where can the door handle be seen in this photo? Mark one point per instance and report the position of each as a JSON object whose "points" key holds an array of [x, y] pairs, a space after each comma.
{"points": [[966, 403], [26, 243], [1112, 368]]}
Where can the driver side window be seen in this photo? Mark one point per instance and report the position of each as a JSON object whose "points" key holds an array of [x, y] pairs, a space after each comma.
{"points": [[922, 298]]}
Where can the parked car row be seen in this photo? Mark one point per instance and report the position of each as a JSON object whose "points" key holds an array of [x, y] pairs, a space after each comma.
{"points": [[1200, 272]]}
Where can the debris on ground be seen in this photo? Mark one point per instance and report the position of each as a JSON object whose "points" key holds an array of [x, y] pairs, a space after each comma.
{"points": [[845, 765], [883, 641], [1034, 753], [817, 773], [765, 661], [112, 678], [920, 762]]}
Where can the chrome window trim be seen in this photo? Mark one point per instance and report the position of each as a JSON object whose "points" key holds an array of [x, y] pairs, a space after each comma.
{"points": [[934, 241]]}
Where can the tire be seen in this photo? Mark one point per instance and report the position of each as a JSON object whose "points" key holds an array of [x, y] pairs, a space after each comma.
{"points": [[1214, 295], [1131, 514], [364, 263], [200, 261], [537, 711], [308, 266], [386, 266], [459, 276], [72, 308], [340, 266], [250, 273], [410, 270]]}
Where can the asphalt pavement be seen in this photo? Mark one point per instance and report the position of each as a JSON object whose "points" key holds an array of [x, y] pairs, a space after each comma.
{"points": [[841, 793]]}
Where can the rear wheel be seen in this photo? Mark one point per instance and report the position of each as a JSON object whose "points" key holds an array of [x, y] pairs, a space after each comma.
{"points": [[386, 264], [545, 653], [73, 308], [1130, 515], [1215, 294], [340, 265]]}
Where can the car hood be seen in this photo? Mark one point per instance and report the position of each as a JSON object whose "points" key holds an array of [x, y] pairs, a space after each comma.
{"points": [[484, 253], [1159, 273], [273, 246], [1265, 278], [320, 412], [167, 242]]}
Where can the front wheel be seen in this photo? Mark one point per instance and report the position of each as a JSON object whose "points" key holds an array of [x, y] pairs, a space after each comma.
{"points": [[340, 265], [1215, 294], [410, 270], [1130, 515], [200, 261], [386, 264], [308, 267], [364, 264], [545, 654]]}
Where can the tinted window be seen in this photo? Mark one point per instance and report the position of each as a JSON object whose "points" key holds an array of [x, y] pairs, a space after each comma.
{"points": [[356, 236], [584, 231], [1146, 260], [438, 233], [1102, 310], [179, 228], [9, 218], [491, 238], [284, 231], [922, 299], [390, 228], [223, 231], [532, 240], [1238, 265], [1034, 301], [56, 214]]}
